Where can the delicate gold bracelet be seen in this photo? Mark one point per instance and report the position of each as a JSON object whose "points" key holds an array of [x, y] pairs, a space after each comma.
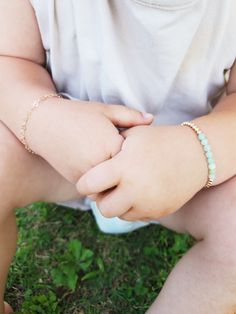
{"points": [[24, 125], [207, 150]]}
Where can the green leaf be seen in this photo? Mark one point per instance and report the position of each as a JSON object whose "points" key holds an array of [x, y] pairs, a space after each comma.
{"points": [[75, 247], [91, 275], [72, 281], [100, 264], [86, 254], [58, 277], [85, 266], [71, 276], [65, 276]]}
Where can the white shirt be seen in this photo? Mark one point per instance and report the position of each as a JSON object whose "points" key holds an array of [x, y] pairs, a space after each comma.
{"points": [[167, 57]]}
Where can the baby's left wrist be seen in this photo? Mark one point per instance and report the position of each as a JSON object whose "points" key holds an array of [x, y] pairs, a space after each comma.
{"points": [[206, 150], [195, 161]]}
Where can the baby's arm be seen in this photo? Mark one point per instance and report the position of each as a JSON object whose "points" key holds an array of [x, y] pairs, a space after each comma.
{"points": [[168, 163], [23, 77], [220, 127], [72, 137]]}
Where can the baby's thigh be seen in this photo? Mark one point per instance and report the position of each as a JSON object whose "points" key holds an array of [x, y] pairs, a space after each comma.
{"points": [[210, 213], [26, 178]]}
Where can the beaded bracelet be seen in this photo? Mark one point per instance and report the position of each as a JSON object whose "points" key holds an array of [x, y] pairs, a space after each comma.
{"points": [[23, 130], [207, 150]]}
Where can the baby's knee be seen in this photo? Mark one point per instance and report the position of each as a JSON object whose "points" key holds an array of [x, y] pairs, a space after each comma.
{"points": [[212, 213], [220, 228], [224, 214], [212, 217]]}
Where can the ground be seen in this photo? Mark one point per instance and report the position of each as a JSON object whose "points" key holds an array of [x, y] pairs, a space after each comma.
{"points": [[64, 264]]}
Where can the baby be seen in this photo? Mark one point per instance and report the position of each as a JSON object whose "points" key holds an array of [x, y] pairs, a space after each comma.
{"points": [[130, 73]]}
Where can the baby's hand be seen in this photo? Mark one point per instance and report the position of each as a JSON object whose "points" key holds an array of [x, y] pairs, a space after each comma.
{"points": [[79, 135], [157, 171]]}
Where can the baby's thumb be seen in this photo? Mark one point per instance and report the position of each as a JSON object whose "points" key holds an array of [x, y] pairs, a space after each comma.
{"points": [[125, 117]]}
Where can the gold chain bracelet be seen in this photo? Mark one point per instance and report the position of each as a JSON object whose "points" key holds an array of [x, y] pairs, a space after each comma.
{"points": [[24, 125]]}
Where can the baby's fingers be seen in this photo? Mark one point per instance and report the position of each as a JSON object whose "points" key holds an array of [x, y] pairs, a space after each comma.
{"points": [[115, 202], [125, 117], [100, 178]]}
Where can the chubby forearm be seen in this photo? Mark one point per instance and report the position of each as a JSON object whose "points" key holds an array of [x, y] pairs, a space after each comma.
{"points": [[21, 82], [220, 128]]}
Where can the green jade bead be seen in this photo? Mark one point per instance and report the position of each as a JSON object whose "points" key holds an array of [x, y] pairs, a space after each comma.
{"points": [[210, 161], [212, 177], [204, 141], [212, 166], [207, 148], [212, 171], [201, 136], [209, 154]]}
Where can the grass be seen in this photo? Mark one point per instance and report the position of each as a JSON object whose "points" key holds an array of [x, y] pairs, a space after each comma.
{"points": [[64, 264]]}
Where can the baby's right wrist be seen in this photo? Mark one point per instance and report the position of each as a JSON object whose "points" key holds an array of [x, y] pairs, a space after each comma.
{"points": [[36, 128], [36, 104]]}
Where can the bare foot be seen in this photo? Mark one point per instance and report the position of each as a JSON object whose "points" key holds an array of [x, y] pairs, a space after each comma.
{"points": [[7, 308]]}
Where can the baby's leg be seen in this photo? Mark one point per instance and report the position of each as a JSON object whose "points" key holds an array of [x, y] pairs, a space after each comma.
{"points": [[24, 178], [204, 280]]}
